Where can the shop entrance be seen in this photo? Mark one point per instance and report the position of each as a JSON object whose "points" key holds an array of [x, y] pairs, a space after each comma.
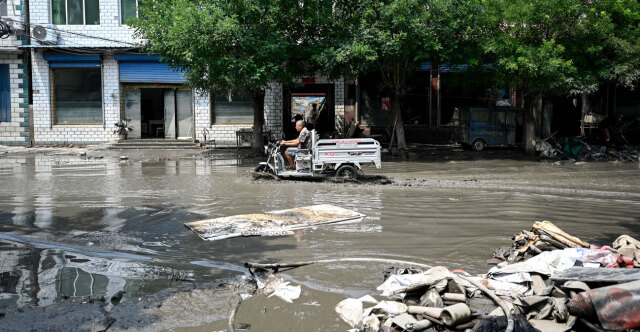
{"points": [[159, 112]]}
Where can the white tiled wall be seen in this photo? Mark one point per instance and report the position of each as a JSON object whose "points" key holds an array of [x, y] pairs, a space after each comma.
{"points": [[45, 129], [118, 35], [12, 132], [225, 134], [15, 131]]}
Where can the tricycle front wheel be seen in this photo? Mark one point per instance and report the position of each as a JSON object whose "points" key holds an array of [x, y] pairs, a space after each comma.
{"points": [[263, 169]]}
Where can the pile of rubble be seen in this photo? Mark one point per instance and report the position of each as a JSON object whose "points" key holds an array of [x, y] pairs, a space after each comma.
{"points": [[547, 281], [575, 149]]}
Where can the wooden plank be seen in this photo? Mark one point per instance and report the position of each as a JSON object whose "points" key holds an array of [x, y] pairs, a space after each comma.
{"points": [[587, 274], [272, 223]]}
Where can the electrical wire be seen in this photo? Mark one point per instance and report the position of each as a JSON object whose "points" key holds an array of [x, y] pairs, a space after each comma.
{"points": [[5, 30], [71, 33]]}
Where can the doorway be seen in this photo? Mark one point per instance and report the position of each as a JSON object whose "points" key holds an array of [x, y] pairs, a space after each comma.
{"points": [[317, 100], [159, 112], [152, 113]]}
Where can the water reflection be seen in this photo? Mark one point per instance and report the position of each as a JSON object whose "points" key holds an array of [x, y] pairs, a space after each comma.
{"points": [[41, 276]]}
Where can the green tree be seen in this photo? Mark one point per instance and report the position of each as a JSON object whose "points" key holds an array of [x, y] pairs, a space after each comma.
{"points": [[561, 47], [394, 37], [522, 42], [222, 46]]}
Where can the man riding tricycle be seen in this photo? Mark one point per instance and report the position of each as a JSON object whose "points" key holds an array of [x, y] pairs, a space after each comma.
{"points": [[309, 156]]}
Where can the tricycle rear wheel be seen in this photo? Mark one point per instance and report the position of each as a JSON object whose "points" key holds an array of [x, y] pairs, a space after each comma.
{"points": [[347, 172]]}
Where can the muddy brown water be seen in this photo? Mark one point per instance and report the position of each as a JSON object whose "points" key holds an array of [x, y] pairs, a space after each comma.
{"points": [[74, 227]]}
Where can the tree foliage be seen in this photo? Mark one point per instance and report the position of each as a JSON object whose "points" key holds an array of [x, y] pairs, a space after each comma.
{"points": [[394, 37], [563, 46], [229, 46], [222, 45]]}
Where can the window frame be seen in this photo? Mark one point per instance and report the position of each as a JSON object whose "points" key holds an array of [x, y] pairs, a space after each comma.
{"points": [[120, 12], [54, 114], [66, 14], [212, 114]]}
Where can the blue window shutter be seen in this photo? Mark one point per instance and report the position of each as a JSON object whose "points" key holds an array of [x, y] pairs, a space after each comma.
{"points": [[5, 94], [147, 68], [72, 61]]}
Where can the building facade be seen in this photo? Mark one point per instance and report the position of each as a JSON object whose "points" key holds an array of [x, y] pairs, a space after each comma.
{"points": [[88, 74], [14, 78]]}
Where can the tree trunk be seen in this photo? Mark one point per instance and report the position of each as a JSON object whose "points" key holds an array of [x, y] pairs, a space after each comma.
{"points": [[532, 122], [547, 115], [397, 118], [258, 121]]}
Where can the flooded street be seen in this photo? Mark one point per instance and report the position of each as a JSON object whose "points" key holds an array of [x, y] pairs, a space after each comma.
{"points": [[73, 227]]}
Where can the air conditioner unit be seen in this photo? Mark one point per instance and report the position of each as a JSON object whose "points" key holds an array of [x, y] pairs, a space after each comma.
{"points": [[46, 35]]}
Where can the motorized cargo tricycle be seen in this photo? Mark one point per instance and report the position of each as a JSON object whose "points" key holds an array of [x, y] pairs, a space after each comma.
{"points": [[341, 157]]}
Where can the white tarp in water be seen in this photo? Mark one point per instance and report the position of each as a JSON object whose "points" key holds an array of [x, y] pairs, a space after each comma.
{"points": [[274, 223]]}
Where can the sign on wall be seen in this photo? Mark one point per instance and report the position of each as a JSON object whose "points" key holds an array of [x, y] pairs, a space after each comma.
{"points": [[307, 106]]}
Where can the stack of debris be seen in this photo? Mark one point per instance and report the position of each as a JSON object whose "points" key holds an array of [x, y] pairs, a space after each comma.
{"points": [[575, 149], [547, 281]]}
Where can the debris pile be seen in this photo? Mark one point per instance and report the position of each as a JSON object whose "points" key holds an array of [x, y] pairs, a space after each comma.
{"points": [[575, 149], [547, 281]]}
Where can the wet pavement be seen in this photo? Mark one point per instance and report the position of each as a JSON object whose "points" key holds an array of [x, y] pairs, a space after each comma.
{"points": [[78, 231]]}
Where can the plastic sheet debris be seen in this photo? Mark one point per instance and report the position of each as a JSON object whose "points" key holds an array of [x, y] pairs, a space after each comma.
{"points": [[391, 308], [287, 292], [628, 247], [371, 323], [368, 299], [350, 310], [598, 275], [436, 277]]}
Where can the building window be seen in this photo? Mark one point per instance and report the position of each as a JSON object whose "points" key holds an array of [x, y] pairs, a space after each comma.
{"points": [[77, 94], [238, 109], [3, 7], [75, 12], [128, 10]]}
